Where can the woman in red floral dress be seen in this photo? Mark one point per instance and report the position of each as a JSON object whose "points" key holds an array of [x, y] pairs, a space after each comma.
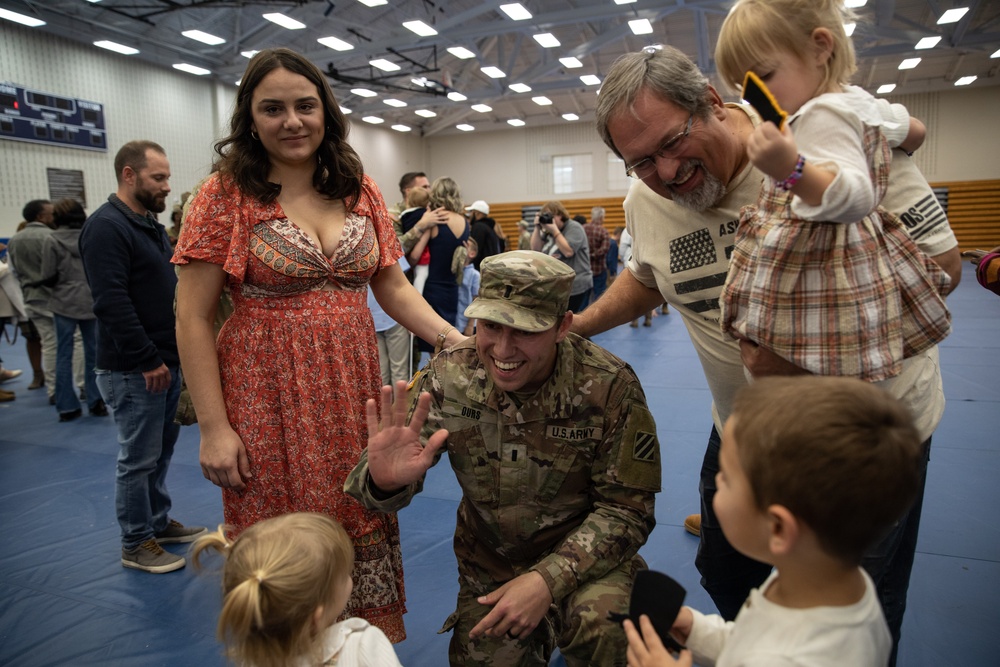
{"points": [[297, 231]]}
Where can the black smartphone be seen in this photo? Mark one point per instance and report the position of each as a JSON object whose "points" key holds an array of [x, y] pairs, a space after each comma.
{"points": [[761, 99]]}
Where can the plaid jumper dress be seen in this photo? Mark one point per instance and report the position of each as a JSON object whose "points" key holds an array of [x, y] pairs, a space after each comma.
{"points": [[850, 299]]}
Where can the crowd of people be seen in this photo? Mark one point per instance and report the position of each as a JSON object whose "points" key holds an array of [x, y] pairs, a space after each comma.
{"points": [[317, 430]]}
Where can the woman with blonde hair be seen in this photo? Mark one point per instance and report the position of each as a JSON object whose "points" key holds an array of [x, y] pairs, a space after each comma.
{"points": [[441, 286]]}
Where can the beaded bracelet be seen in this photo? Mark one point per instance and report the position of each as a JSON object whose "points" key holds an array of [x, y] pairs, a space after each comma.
{"points": [[794, 177]]}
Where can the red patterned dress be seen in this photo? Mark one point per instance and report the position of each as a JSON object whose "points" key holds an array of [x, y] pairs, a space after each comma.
{"points": [[298, 362]]}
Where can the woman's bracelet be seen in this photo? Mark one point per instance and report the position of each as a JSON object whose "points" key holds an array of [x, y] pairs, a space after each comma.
{"points": [[794, 177], [442, 337]]}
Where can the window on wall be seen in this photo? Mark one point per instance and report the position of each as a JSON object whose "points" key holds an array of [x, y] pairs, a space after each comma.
{"points": [[617, 180], [573, 173]]}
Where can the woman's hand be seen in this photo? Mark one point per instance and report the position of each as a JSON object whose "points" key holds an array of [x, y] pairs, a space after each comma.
{"points": [[431, 218], [223, 458]]}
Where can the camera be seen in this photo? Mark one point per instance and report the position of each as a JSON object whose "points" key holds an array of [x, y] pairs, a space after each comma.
{"points": [[544, 219]]}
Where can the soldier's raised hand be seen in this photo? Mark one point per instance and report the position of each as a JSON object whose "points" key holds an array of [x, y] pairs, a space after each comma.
{"points": [[396, 457]]}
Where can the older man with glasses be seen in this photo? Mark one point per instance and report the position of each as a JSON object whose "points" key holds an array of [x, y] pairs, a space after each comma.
{"points": [[686, 151]]}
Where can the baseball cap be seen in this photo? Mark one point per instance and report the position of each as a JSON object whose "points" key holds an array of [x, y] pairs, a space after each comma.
{"points": [[523, 289], [479, 205]]}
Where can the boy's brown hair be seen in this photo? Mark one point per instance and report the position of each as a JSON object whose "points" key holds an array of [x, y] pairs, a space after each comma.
{"points": [[841, 454]]}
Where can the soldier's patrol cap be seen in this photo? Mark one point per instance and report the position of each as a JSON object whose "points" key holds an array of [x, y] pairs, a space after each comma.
{"points": [[523, 289]]}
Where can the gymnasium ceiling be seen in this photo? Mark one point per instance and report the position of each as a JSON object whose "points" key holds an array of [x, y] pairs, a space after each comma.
{"points": [[595, 32]]}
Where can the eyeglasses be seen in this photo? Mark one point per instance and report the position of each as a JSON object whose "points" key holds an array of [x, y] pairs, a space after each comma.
{"points": [[669, 149]]}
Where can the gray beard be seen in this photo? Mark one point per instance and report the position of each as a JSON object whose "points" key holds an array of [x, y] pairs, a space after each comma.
{"points": [[710, 193]]}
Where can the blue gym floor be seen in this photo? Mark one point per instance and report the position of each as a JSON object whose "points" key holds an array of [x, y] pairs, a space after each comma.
{"points": [[66, 600]]}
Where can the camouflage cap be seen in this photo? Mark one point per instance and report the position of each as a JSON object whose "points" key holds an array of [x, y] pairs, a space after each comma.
{"points": [[523, 289]]}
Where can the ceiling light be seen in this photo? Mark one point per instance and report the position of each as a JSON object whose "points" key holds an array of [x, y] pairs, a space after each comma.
{"points": [[516, 122], [344, 110], [909, 63], [116, 47], [547, 40], [590, 80], [203, 37], [384, 65], [849, 28], [335, 43], [399, 127], [886, 88], [493, 72], [191, 69], [373, 3], [456, 96], [516, 11], [995, 54], [284, 21], [393, 102], [966, 80], [29, 21], [374, 120], [465, 127], [570, 116], [571, 62], [482, 108], [641, 26], [624, 2], [420, 28], [426, 113], [249, 54], [520, 87], [461, 52], [855, 3], [927, 43], [363, 92], [541, 101], [953, 15]]}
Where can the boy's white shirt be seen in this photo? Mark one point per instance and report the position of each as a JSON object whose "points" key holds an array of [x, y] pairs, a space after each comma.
{"points": [[765, 634]]}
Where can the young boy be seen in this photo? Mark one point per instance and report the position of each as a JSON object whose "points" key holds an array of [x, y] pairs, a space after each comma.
{"points": [[813, 471], [468, 289]]}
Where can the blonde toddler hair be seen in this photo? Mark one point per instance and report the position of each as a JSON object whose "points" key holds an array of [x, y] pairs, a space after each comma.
{"points": [[756, 29], [276, 574]]}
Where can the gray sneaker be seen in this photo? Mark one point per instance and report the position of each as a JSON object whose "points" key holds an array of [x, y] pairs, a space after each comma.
{"points": [[178, 533], [150, 557]]}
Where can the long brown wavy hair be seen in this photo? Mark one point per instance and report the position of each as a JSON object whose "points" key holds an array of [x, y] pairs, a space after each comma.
{"points": [[339, 172]]}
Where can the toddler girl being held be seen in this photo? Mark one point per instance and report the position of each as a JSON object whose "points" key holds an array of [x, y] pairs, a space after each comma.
{"points": [[820, 274]]}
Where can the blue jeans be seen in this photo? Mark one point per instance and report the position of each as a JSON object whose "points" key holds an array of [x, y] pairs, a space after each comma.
{"points": [[146, 437], [600, 284], [727, 575], [66, 400]]}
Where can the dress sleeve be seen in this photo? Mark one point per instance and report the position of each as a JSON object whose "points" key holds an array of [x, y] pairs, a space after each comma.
{"points": [[372, 205], [214, 228]]}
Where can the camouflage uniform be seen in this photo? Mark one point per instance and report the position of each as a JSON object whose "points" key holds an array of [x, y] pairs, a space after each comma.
{"points": [[561, 482]]}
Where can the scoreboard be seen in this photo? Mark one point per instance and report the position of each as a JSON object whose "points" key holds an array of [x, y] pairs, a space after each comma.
{"points": [[47, 118]]}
